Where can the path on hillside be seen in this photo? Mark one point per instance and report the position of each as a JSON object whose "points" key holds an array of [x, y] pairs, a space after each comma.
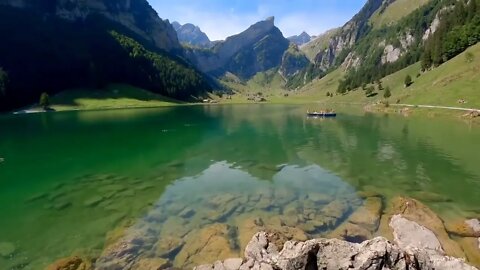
{"points": [[436, 107]]}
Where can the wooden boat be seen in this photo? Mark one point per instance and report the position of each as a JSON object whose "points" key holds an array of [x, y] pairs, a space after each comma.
{"points": [[322, 114]]}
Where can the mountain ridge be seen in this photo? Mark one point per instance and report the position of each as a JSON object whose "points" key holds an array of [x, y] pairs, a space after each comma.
{"points": [[191, 35]]}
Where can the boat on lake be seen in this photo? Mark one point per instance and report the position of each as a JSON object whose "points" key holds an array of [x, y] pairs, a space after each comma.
{"points": [[324, 114]]}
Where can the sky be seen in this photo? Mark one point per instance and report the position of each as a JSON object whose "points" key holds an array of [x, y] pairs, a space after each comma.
{"points": [[222, 18]]}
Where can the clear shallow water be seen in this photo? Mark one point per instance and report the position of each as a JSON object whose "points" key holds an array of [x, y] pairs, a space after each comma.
{"points": [[71, 182]]}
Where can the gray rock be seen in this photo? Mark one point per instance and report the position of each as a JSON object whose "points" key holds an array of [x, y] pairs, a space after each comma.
{"points": [[204, 267], [474, 224], [233, 264], [334, 254], [410, 234], [7, 249]]}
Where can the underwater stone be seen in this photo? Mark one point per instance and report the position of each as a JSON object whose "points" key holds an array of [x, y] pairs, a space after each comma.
{"points": [[7, 249], [93, 201]]}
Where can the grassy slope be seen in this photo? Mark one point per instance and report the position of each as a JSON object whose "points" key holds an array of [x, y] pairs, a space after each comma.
{"points": [[444, 85], [395, 11], [113, 96], [312, 48]]}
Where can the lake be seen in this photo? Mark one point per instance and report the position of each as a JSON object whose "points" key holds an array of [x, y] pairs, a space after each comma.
{"points": [[198, 180]]}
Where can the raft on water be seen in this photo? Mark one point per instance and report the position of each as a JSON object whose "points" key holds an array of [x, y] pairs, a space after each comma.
{"points": [[321, 114]]}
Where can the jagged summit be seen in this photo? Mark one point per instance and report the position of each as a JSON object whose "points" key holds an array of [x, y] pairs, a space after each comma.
{"points": [[192, 35], [301, 39]]}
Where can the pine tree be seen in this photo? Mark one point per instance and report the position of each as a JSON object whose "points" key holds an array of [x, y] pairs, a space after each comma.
{"points": [[387, 93], [408, 81]]}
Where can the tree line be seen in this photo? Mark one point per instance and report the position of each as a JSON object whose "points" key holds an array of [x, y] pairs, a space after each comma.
{"points": [[459, 28]]}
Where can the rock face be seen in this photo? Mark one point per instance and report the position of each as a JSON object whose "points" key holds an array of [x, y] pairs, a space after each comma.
{"points": [[378, 253], [259, 48], [138, 16], [301, 39], [293, 61], [192, 35], [346, 36]]}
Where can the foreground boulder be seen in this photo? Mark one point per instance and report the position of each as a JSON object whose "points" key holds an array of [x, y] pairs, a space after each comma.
{"points": [[333, 254]]}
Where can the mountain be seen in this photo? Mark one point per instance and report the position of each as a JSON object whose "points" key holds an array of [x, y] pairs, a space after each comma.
{"points": [[300, 39], [138, 16], [57, 45], [372, 45], [191, 35], [318, 44], [259, 48]]}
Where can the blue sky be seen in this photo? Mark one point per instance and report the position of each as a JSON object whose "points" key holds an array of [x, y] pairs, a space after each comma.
{"points": [[222, 18]]}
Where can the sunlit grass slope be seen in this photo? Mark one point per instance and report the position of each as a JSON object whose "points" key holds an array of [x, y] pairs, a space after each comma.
{"points": [[113, 96]]}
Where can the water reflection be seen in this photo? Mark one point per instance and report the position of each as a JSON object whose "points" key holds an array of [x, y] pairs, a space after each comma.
{"points": [[214, 214], [226, 171]]}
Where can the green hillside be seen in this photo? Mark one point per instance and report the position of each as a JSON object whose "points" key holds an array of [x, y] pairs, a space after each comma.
{"points": [[112, 97], [444, 86], [312, 48], [395, 11]]}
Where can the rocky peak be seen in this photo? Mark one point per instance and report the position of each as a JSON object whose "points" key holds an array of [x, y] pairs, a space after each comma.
{"points": [[138, 16], [192, 35], [256, 49], [301, 39]]}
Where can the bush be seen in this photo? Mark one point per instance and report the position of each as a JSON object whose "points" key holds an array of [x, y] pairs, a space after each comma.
{"points": [[408, 81], [469, 57], [387, 93], [369, 91]]}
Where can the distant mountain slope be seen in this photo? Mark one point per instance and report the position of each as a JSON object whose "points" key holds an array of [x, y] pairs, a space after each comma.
{"points": [[257, 49], [192, 35], [368, 47], [391, 13], [318, 44], [456, 79], [300, 39], [89, 44]]}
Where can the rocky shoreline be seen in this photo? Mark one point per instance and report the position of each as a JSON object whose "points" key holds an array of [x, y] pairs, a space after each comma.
{"points": [[333, 254], [412, 236]]}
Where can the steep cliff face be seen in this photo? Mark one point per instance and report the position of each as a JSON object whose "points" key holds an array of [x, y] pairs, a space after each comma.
{"points": [[258, 48], [192, 35], [89, 44], [137, 15], [347, 36], [293, 61]]}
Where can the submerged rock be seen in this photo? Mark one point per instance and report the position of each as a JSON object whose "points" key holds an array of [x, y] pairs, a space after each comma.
{"points": [[334, 254], [208, 244], [71, 263], [93, 201], [151, 264], [7, 249], [167, 246], [464, 228], [368, 215]]}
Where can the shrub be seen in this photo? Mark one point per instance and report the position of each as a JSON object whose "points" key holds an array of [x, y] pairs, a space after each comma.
{"points": [[387, 93], [408, 81]]}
